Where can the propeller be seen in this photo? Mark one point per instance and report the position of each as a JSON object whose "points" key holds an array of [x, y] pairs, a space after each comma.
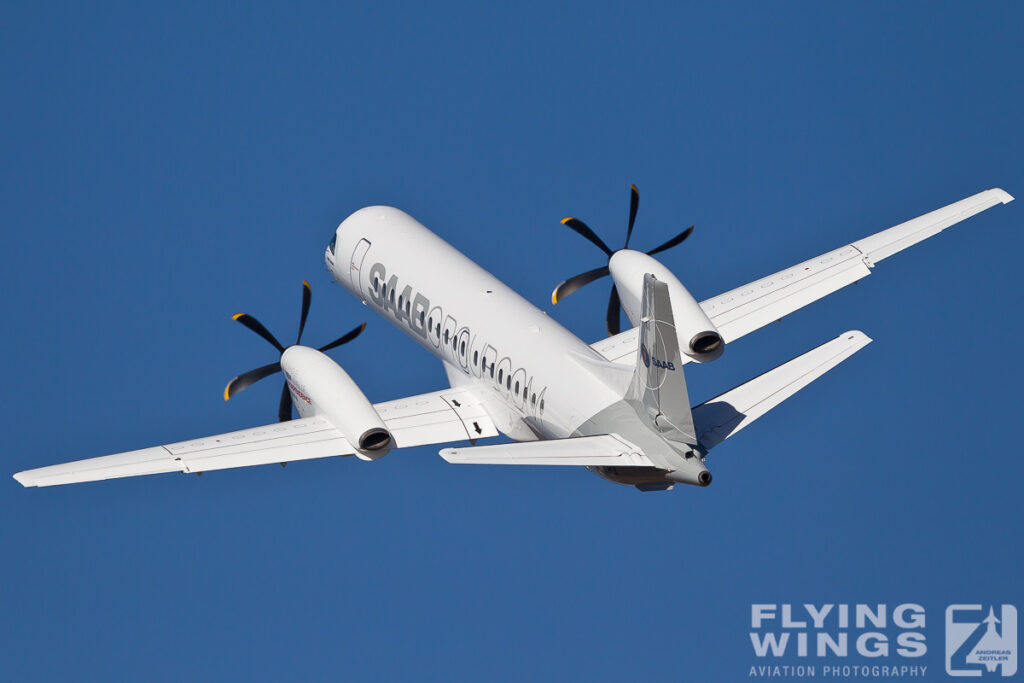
{"points": [[569, 286], [284, 411]]}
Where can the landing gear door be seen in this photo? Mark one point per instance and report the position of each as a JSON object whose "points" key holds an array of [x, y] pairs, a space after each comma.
{"points": [[356, 266]]}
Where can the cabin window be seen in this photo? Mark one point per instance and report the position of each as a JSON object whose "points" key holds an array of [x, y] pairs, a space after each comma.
{"points": [[492, 369], [391, 296], [508, 382], [376, 284], [430, 324], [446, 336], [476, 355], [422, 316], [462, 347], [542, 405], [517, 388], [533, 399], [501, 374]]}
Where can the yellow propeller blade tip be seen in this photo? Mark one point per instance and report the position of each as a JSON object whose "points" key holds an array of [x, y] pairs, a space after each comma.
{"points": [[566, 220], [634, 189], [305, 283], [236, 316], [226, 390], [363, 326], [554, 296]]}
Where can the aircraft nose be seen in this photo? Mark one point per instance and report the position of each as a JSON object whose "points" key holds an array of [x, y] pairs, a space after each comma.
{"points": [[331, 248], [329, 255]]}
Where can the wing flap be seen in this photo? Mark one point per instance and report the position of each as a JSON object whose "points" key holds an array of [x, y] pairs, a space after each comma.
{"points": [[451, 415], [725, 415], [751, 307], [590, 451]]}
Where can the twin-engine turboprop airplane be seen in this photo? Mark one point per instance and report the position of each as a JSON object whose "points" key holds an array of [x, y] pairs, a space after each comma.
{"points": [[618, 407]]}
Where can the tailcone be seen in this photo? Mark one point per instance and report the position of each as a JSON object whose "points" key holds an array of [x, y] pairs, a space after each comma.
{"points": [[692, 471]]}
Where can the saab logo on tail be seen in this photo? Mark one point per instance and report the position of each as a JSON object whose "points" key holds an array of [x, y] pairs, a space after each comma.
{"points": [[646, 357]]}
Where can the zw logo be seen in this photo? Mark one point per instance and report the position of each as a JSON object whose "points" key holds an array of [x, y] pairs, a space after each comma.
{"points": [[980, 640]]}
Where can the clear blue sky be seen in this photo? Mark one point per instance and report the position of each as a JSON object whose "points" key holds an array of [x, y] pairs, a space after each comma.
{"points": [[165, 167]]}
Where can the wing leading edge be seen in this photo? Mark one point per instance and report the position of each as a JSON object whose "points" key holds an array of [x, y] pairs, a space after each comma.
{"points": [[741, 311], [439, 417]]}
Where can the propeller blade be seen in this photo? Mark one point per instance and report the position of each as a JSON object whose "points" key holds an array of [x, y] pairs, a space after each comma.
{"points": [[581, 227], [612, 319], [672, 242], [344, 339], [634, 203], [257, 327], [284, 411], [247, 378], [307, 297], [566, 288]]}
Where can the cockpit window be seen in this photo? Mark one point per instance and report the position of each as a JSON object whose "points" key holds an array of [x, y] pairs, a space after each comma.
{"points": [[333, 244]]}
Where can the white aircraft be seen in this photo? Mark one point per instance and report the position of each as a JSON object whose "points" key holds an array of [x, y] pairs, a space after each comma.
{"points": [[618, 407]]}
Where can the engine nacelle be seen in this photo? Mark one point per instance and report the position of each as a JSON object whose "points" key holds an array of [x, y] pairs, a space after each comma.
{"points": [[698, 337], [319, 386]]}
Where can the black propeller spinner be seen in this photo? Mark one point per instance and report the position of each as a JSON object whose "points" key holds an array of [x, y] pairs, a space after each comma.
{"points": [[284, 412], [566, 288]]}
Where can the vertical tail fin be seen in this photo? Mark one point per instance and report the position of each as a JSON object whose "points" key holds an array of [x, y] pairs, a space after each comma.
{"points": [[658, 380]]}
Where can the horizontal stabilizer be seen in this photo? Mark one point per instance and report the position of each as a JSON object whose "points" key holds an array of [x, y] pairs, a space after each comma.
{"points": [[589, 451], [723, 416]]}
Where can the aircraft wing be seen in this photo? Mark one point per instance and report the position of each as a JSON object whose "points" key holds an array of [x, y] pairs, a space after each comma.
{"points": [[439, 417], [721, 417], [752, 306]]}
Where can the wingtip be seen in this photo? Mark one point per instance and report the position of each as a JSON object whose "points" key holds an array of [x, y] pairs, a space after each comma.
{"points": [[1004, 196], [851, 335], [22, 479]]}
